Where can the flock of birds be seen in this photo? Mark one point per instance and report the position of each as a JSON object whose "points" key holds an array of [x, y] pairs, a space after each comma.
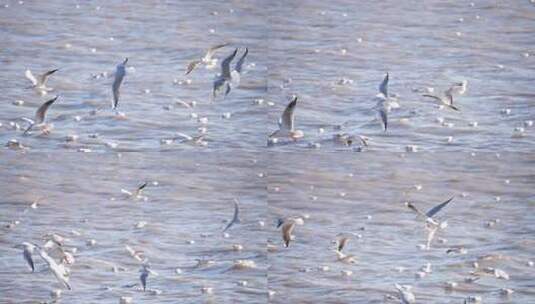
{"points": [[228, 78]]}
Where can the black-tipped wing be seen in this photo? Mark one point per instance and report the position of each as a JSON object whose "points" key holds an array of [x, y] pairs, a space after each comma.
{"points": [[383, 87], [241, 61], [287, 118], [225, 65], [44, 78], [211, 51], [437, 208], [41, 111], [28, 258]]}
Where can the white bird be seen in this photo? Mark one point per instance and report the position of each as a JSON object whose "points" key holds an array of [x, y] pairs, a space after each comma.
{"points": [[287, 123], [236, 217], [288, 226], [405, 294], [236, 73], [447, 99], [385, 103], [40, 116], [120, 72], [224, 79], [206, 59], [59, 270], [40, 82], [27, 252]]}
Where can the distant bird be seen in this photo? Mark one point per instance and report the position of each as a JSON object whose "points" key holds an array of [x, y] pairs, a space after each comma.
{"points": [[428, 216], [447, 100], [137, 193], [236, 73], [120, 72], [385, 103], [59, 270], [405, 294], [287, 123], [288, 226], [224, 79], [27, 252], [40, 82], [236, 217], [206, 59], [40, 115]]}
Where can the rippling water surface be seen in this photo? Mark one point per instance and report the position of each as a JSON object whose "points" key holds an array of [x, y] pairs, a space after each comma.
{"points": [[333, 55]]}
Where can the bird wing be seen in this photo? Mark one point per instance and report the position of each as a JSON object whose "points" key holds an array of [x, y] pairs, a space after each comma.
{"points": [[383, 87], [241, 61], [342, 243], [30, 76], [383, 114], [140, 188], [287, 119], [225, 65], [44, 78], [287, 229], [191, 66], [119, 75], [235, 218], [437, 208], [211, 51], [41, 111], [413, 208], [143, 279], [433, 96], [28, 257]]}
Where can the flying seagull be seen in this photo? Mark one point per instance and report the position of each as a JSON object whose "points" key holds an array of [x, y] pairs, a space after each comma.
{"points": [[59, 271], [236, 217], [206, 59], [224, 79], [120, 72], [447, 100], [385, 103], [429, 214], [287, 123], [40, 82], [40, 115], [236, 73]]}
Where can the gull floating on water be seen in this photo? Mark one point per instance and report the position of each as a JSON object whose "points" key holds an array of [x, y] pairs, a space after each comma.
{"points": [[120, 72], [59, 270], [224, 79], [447, 99], [236, 73], [206, 59], [236, 218], [27, 252], [40, 116], [40, 82], [287, 123]]}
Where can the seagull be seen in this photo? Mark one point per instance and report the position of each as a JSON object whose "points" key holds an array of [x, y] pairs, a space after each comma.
{"points": [[120, 72], [236, 73], [385, 103], [447, 100], [40, 83], [145, 271], [429, 214], [27, 252], [206, 59], [405, 294], [236, 218], [286, 123], [224, 79], [59, 271], [288, 226], [40, 116]]}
